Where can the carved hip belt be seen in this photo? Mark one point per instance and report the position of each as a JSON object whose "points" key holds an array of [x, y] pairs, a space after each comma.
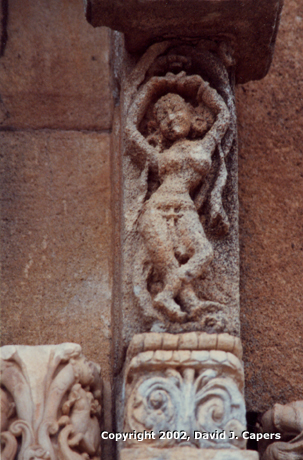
{"points": [[175, 211]]}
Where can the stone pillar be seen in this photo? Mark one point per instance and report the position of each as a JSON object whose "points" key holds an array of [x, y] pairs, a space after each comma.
{"points": [[50, 403], [175, 151]]}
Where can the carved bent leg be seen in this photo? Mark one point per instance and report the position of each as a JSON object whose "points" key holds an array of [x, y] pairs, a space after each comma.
{"points": [[156, 232], [286, 424], [192, 236], [165, 301], [194, 305], [201, 253]]}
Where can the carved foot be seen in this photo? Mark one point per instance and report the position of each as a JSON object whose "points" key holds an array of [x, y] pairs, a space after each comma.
{"points": [[75, 441], [196, 307], [165, 303], [204, 306]]}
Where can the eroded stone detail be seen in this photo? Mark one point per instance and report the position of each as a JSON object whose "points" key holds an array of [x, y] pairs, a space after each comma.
{"points": [[50, 403], [185, 390], [179, 132], [288, 421]]}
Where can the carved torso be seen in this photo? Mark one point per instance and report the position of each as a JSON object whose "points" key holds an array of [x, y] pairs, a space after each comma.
{"points": [[183, 166]]}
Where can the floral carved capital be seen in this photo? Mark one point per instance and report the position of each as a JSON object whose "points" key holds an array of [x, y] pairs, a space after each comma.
{"points": [[173, 388], [50, 403]]}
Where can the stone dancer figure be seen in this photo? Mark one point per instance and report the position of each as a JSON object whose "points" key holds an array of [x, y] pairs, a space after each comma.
{"points": [[169, 222]]}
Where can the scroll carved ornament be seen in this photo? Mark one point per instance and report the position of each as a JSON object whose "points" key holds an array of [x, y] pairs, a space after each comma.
{"points": [[180, 130], [50, 403], [169, 388], [288, 421]]}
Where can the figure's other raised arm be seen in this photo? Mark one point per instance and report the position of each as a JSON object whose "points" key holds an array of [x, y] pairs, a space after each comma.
{"points": [[214, 101], [139, 149]]}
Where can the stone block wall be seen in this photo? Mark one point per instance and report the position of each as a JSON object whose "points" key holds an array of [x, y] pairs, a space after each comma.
{"points": [[56, 111]]}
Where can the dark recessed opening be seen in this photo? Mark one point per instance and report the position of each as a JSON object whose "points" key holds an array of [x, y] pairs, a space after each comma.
{"points": [[251, 418]]}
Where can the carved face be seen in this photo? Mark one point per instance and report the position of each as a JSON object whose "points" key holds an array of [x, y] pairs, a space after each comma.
{"points": [[173, 116]]}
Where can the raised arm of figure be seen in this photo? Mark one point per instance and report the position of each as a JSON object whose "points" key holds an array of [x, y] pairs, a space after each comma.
{"points": [[140, 150], [214, 101], [204, 148]]}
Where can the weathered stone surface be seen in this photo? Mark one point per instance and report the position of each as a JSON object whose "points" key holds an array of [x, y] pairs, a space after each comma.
{"points": [[287, 422], [56, 240], [55, 69], [249, 25], [270, 123], [271, 222], [49, 390]]}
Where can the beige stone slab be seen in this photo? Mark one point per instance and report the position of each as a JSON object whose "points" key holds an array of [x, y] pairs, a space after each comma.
{"points": [[55, 69], [188, 453], [56, 241]]}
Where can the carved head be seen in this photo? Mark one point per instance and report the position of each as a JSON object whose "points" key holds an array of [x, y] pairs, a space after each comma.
{"points": [[173, 115], [177, 119]]}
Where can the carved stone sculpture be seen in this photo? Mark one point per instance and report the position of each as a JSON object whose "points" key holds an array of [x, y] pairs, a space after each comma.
{"points": [[183, 388], [50, 403], [169, 223], [180, 135], [286, 420]]}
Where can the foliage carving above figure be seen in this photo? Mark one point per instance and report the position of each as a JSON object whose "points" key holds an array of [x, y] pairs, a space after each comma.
{"points": [[179, 132]]}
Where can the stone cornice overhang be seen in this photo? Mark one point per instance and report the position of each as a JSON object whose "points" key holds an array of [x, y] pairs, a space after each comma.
{"points": [[249, 25]]}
